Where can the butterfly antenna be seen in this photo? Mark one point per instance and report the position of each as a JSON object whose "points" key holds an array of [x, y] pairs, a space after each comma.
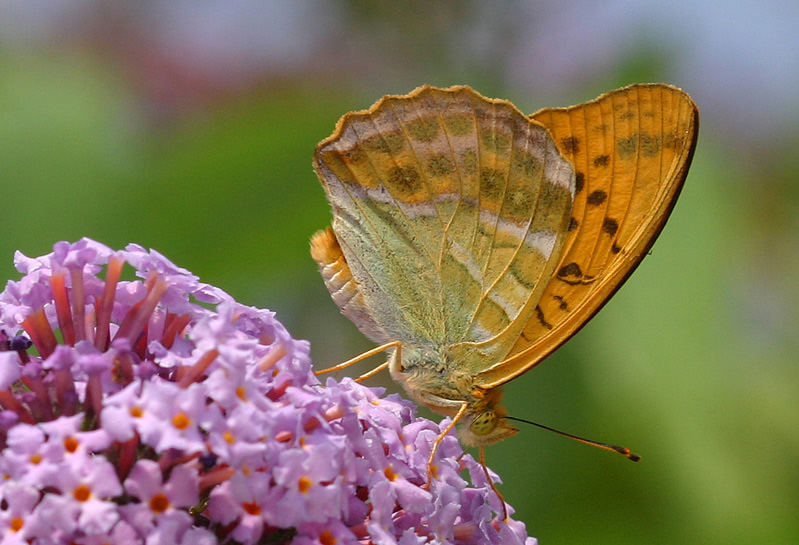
{"points": [[624, 451]]}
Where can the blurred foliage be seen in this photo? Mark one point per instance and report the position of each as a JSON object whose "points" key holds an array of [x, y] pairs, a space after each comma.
{"points": [[692, 364]]}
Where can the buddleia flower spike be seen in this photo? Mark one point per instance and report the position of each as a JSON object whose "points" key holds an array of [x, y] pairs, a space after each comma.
{"points": [[153, 408]]}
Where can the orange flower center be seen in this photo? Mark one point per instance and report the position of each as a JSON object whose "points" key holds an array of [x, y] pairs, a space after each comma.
{"points": [[251, 508], [71, 444], [327, 538], [82, 493], [181, 421], [159, 503], [304, 485]]}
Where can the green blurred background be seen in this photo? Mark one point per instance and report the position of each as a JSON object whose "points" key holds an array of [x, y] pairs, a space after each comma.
{"points": [[189, 126]]}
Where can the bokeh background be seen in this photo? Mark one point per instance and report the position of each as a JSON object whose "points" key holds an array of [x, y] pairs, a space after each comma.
{"points": [[188, 126]]}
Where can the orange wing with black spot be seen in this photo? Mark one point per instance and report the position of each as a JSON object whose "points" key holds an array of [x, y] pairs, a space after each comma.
{"points": [[631, 149]]}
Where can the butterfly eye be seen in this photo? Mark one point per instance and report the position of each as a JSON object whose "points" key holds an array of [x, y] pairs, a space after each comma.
{"points": [[484, 423]]}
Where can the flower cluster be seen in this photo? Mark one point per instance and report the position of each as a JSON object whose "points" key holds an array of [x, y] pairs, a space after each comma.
{"points": [[158, 410]]}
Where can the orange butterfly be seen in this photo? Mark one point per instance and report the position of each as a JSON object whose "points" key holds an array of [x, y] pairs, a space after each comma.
{"points": [[473, 240]]}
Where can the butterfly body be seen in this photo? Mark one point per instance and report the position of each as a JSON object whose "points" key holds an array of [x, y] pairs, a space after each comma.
{"points": [[433, 377], [479, 239]]}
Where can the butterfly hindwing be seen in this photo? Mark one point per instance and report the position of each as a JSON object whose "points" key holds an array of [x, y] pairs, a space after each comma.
{"points": [[343, 288], [450, 210], [631, 150]]}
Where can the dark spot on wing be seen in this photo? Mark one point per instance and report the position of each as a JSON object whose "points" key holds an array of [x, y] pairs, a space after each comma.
{"points": [[552, 200], [650, 145], [540, 315], [440, 164], [610, 226], [390, 142], [571, 144], [573, 224], [601, 160], [406, 180], [492, 183], [562, 305], [579, 182], [495, 140], [395, 141], [527, 164], [375, 143], [459, 124], [627, 146], [673, 141], [572, 269], [615, 249], [424, 129], [469, 161], [597, 197], [518, 204]]}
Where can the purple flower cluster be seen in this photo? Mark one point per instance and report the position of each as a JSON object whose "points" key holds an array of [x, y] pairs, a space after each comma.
{"points": [[158, 410]]}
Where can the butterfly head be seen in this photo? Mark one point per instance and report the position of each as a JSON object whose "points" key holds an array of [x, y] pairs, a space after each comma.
{"points": [[485, 422], [429, 378]]}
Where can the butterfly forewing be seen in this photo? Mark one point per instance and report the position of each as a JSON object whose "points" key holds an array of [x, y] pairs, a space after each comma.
{"points": [[631, 150]]}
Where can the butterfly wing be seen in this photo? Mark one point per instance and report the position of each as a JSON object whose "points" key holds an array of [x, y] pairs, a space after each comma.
{"points": [[450, 211], [631, 149], [343, 288]]}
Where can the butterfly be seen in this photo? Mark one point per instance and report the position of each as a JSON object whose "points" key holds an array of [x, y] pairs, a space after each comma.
{"points": [[472, 240]]}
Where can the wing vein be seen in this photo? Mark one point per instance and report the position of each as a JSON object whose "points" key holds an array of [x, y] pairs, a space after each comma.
{"points": [[487, 291]]}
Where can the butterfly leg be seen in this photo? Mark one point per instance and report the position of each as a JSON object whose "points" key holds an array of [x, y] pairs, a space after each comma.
{"points": [[491, 483], [372, 373], [431, 467], [360, 357]]}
